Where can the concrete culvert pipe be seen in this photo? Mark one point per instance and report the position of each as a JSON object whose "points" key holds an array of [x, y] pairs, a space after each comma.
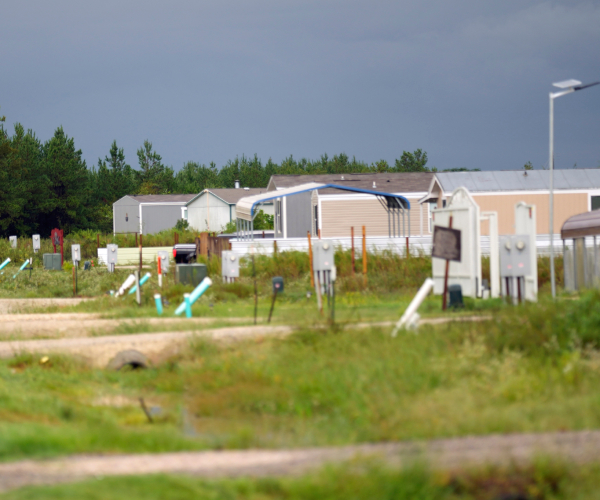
{"points": [[132, 358]]}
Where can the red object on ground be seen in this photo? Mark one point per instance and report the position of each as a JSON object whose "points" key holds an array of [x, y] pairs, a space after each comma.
{"points": [[56, 237]]}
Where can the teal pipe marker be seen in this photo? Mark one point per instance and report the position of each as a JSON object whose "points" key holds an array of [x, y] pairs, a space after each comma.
{"points": [[195, 295], [5, 263], [188, 305], [21, 268], [142, 281], [158, 300]]}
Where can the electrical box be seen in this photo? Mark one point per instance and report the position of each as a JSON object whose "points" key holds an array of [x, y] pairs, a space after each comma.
{"points": [[52, 262], [230, 264], [515, 255], [190, 274], [277, 284], [76, 253], [323, 255], [13, 241], [36, 242], [112, 252], [164, 261]]}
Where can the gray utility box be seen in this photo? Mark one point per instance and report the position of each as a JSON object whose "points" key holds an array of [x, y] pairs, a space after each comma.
{"points": [[163, 255], [36, 242], [112, 252], [230, 264], [515, 255], [190, 274], [76, 253], [323, 255], [52, 262]]}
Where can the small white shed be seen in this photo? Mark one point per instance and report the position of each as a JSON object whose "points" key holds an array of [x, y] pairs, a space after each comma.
{"points": [[213, 209]]}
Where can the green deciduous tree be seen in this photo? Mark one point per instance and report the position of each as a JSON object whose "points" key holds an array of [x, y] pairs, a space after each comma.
{"points": [[412, 162]]}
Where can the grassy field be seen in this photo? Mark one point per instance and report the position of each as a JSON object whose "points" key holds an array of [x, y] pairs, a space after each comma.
{"points": [[356, 481], [533, 368], [530, 368]]}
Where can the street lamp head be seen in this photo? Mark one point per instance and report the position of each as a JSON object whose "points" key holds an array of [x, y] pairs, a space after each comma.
{"points": [[581, 87], [565, 84]]}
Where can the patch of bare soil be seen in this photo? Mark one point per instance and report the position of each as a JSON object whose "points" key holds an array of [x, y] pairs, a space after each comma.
{"points": [[442, 454], [98, 351], [59, 325]]}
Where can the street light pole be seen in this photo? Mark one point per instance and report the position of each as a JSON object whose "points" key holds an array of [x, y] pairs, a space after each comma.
{"points": [[568, 86], [551, 163]]}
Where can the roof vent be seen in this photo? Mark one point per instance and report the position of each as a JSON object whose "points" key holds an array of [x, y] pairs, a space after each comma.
{"points": [[246, 189], [343, 177], [237, 184], [374, 185]]}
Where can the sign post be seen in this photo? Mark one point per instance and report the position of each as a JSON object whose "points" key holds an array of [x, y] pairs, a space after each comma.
{"points": [[446, 245]]}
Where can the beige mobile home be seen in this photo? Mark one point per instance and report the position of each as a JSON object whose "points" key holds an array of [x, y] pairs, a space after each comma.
{"points": [[575, 191]]}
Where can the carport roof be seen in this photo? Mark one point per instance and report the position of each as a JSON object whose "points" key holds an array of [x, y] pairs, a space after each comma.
{"points": [[580, 225], [245, 207]]}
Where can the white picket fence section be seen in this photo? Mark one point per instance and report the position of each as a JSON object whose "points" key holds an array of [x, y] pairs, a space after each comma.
{"points": [[418, 245]]}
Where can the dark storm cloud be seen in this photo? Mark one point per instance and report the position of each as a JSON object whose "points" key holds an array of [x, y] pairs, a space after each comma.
{"points": [[466, 81]]}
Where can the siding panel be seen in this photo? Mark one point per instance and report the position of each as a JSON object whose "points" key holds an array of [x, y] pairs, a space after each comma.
{"points": [[565, 206], [338, 216]]}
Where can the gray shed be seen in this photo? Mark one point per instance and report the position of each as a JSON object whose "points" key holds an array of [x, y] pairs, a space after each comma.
{"points": [[149, 214]]}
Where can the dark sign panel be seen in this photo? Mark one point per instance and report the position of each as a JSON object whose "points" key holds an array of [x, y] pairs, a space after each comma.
{"points": [[446, 243]]}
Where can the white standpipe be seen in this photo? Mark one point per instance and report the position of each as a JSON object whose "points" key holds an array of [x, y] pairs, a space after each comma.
{"points": [[127, 283], [414, 305]]}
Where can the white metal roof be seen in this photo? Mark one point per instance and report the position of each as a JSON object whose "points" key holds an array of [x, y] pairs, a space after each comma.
{"points": [[519, 180], [244, 207]]}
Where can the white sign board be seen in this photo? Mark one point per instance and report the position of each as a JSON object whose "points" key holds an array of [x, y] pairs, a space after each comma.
{"points": [[466, 218]]}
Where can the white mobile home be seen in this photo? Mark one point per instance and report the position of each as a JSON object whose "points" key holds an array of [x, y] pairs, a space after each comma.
{"points": [[213, 209]]}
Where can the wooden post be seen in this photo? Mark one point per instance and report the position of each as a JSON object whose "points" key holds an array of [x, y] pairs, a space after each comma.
{"points": [[97, 241], [364, 254], [319, 234], [136, 243], [141, 238], [274, 248], [74, 286], [407, 248], [310, 260], [445, 299], [352, 244], [140, 260]]}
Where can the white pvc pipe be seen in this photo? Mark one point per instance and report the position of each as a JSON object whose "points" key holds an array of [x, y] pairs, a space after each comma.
{"points": [[126, 284], [426, 287]]}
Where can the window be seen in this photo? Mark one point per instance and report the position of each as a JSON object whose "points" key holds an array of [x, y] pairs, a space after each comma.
{"points": [[184, 214], [595, 202]]}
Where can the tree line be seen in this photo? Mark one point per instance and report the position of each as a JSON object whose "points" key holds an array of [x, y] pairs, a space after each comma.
{"points": [[47, 184]]}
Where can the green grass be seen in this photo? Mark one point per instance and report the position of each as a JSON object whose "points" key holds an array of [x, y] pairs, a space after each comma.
{"points": [[320, 386], [354, 481]]}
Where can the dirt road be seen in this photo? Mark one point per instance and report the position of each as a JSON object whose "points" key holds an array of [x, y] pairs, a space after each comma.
{"points": [[98, 351], [443, 454], [64, 325]]}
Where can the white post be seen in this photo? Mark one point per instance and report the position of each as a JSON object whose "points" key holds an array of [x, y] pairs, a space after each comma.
{"points": [[492, 217], [426, 287]]}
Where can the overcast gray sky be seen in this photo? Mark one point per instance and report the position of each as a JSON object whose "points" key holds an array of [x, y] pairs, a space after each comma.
{"points": [[467, 80]]}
